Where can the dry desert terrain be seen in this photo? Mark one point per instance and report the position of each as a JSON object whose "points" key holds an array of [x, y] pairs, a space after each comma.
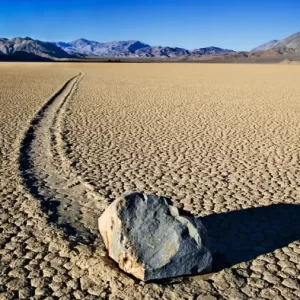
{"points": [[222, 141]]}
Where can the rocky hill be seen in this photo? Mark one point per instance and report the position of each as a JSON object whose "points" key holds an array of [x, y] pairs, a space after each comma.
{"points": [[162, 52], [28, 49], [290, 44], [265, 46], [210, 51]]}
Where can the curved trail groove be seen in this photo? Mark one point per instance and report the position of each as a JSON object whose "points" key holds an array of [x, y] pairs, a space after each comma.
{"points": [[69, 201]]}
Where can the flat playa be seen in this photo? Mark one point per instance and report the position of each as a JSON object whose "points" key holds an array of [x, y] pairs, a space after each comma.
{"points": [[223, 141]]}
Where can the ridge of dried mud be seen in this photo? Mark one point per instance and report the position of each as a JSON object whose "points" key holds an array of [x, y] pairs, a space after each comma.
{"points": [[223, 143]]}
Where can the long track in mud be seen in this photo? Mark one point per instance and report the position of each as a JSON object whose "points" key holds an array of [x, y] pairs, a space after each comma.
{"points": [[69, 201]]}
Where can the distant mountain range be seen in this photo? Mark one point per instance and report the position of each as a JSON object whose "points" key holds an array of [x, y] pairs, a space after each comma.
{"points": [[132, 48], [30, 49], [112, 49]]}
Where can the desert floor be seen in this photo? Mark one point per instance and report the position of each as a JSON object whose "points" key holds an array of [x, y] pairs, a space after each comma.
{"points": [[223, 141]]}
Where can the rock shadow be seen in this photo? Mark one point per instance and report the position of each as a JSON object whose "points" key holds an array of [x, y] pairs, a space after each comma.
{"points": [[243, 235]]}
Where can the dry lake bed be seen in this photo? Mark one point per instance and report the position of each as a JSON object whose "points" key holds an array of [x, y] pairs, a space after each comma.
{"points": [[221, 140]]}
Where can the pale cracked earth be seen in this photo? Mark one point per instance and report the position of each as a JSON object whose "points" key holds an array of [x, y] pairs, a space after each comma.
{"points": [[222, 141]]}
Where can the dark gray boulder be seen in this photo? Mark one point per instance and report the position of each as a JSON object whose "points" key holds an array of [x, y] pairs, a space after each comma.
{"points": [[150, 240]]}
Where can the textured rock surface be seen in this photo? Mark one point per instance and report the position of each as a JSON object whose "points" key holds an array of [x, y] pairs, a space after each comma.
{"points": [[150, 240]]}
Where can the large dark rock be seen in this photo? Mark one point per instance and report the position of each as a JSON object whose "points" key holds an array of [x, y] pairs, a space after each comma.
{"points": [[150, 240]]}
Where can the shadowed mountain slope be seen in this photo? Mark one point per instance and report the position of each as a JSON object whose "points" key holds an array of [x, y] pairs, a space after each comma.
{"points": [[27, 47], [290, 44], [265, 46]]}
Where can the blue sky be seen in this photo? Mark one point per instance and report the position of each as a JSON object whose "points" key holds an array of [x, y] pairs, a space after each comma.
{"points": [[235, 24]]}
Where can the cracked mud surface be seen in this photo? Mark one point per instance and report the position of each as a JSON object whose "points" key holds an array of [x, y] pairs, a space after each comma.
{"points": [[222, 141], [69, 201]]}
